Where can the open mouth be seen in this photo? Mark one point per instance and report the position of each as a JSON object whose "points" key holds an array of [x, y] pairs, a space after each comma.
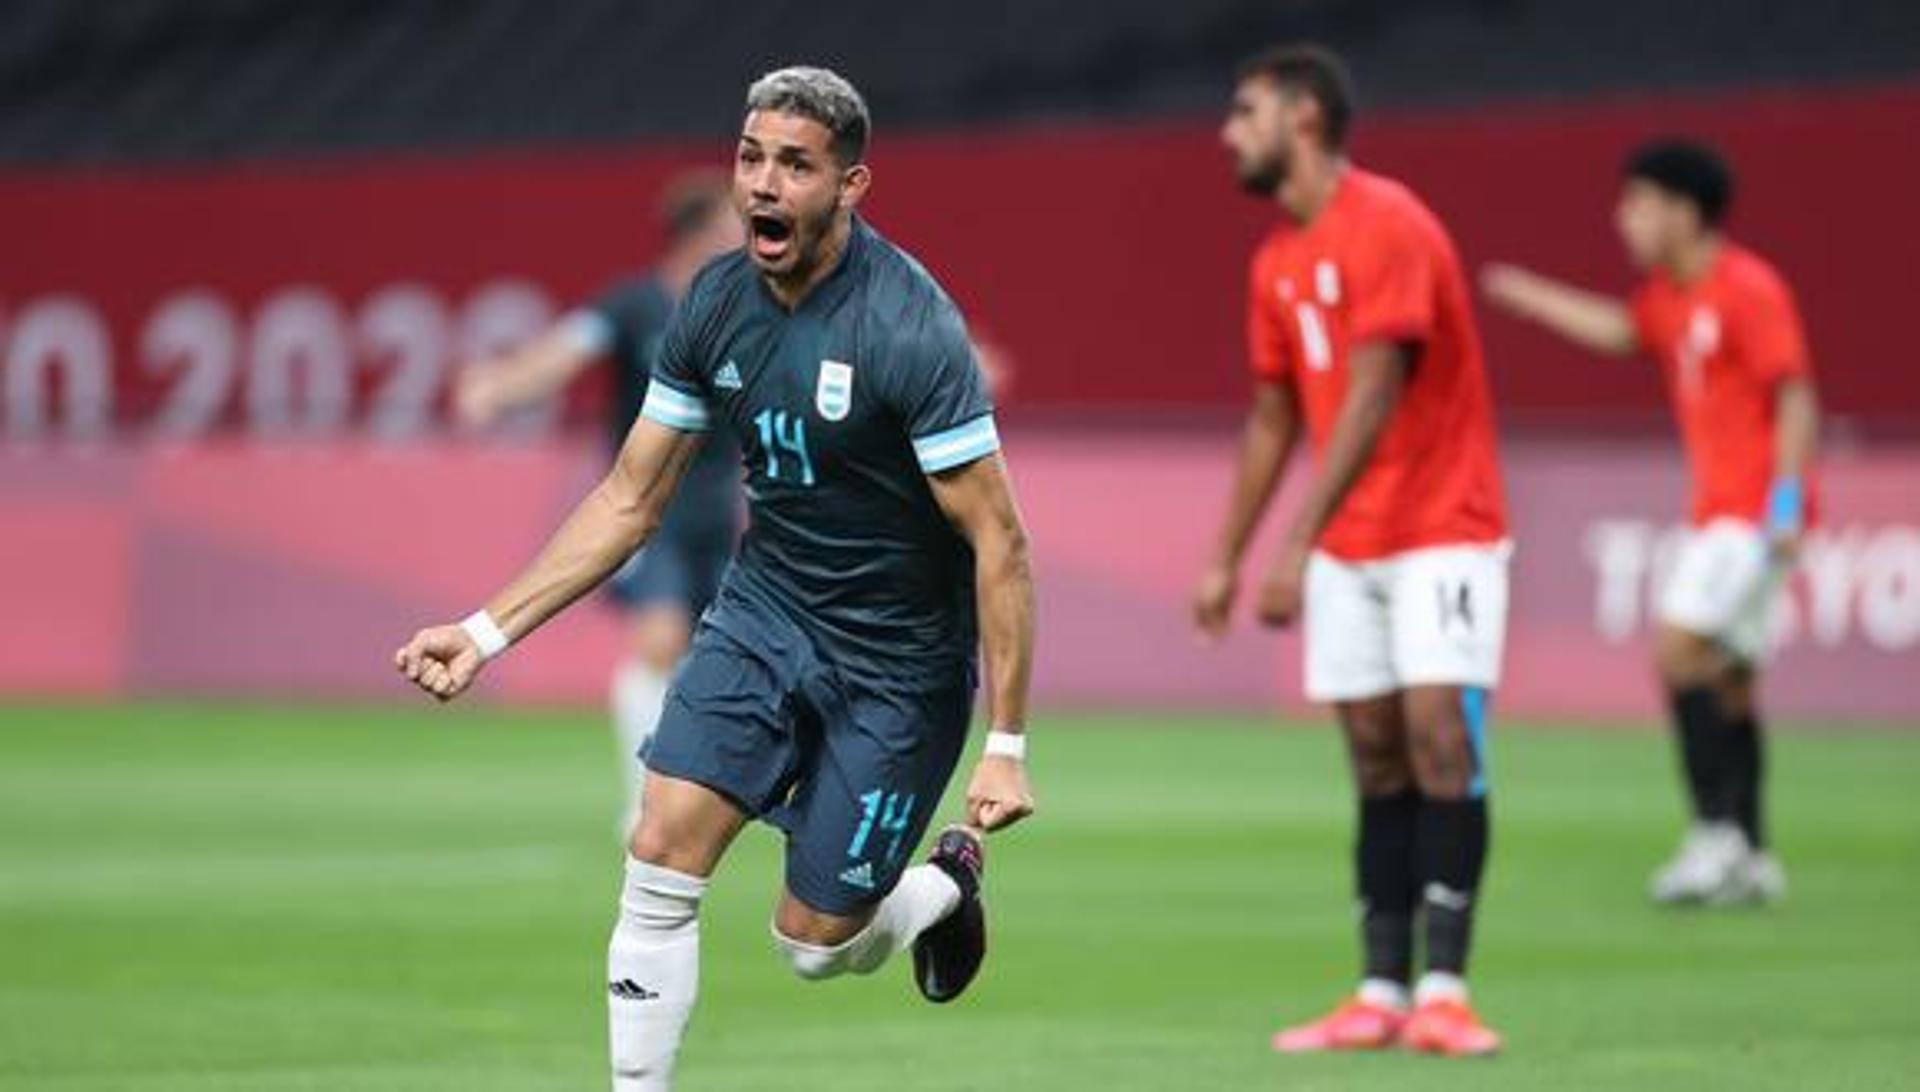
{"points": [[771, 235]]}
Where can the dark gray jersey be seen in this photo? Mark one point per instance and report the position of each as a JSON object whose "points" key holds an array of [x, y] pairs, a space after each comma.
{"points": [[841, 409]]}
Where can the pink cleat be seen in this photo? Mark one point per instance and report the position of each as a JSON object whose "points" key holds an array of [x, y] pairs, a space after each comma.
{"points": [[1449, 1027], [1355, 1025]]}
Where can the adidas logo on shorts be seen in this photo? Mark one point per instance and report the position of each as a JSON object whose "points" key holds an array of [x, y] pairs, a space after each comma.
{"points": [[728, 377], [860, 876]]}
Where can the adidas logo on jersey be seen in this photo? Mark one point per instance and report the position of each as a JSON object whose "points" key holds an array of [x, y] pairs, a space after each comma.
{"points": [[860, 876], [628, 990], [728, 377]]}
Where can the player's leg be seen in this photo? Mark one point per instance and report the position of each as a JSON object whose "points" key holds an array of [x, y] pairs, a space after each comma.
{"points": [[658, 634], [1449, 608], [1690, 665], [722, 752], [1715, 576], [1745, 752], [1384, 862], [655, 588], [1447, 727], [653, 958], [864, 800], [820, 944], [1761, 876], [1348, 663]]}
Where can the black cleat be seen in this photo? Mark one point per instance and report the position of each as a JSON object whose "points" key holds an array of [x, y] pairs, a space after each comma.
{"points": [[948, 955]]}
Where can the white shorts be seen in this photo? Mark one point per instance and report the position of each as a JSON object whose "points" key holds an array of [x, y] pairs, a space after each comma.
{"points": [[1724, 584], [1435, 616]]}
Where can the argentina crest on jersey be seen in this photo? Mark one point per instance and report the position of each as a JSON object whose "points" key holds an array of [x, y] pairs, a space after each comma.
{"points": [[833, 397]]}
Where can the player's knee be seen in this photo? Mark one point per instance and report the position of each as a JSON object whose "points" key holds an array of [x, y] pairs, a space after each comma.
{"points": [[656, 842], [1441, 749], [649, 842], [817, 945], [1736, 684], [798, 921], [1685, 659], [813, 962], [1443, 774], [1381, 765], [1382, 777], [1376, 746]]}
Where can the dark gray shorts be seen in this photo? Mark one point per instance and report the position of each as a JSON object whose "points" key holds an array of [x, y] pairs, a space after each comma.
{"points": [[852, 773]]}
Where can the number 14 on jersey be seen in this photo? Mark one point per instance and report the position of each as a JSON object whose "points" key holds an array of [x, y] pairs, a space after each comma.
{"points": [[781, 431]]}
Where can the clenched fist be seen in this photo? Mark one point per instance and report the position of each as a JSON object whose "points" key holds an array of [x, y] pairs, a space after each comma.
{"points": [[998, 795], [442, 660]]}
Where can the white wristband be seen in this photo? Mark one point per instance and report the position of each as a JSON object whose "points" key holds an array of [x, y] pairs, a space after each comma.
{"points": [[486, 633], [1007, 745]]}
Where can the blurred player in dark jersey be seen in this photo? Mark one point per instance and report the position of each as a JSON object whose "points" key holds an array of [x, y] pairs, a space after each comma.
{"points": [[665, 586], [1723, 326]]}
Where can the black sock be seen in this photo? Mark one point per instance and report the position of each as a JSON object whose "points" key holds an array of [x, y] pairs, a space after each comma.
{"points": [[1451, 849], [1704, 751], [1746, 769], [1383, 865]]}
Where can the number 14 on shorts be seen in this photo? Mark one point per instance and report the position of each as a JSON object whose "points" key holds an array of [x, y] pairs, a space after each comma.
{"points": [[888, 814]]}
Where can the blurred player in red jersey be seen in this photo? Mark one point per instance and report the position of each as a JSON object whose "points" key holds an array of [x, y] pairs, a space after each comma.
{"points": [[1360, 328], [1723, 326]]}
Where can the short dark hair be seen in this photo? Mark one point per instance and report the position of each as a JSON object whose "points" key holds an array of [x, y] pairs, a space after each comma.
{"points": [[824, 96], [1686, 169], [690, 201], [1313, 69]]}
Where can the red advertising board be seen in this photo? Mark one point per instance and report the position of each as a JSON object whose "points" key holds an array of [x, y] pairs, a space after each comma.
{"points": [[295, 570]]}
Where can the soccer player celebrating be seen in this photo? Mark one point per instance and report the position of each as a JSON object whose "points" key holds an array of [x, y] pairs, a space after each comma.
{"points": [[829, 687], [1723, 326], [664, 587], [1360, 327]]}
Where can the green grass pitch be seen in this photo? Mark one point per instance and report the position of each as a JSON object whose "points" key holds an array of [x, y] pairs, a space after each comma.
{"points": [[230, 897]]}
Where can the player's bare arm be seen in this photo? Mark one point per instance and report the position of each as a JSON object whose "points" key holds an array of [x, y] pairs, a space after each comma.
{"points": [[1593, 320], [489, 389], [1377, 372], [1266, 443], [601, 533], [1796, 436], [978, 499]]}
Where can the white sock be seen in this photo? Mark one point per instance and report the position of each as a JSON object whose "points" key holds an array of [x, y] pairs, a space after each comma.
{"points": [[639, 691], [1384, 993], [1440, 986], [653, 974], [924, 896]]}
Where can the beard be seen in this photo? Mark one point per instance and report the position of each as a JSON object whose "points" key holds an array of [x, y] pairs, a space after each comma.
{"points": [[810, 235], [1262, 176]]}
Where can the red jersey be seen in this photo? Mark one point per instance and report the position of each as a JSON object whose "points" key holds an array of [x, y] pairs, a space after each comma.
{"points": [[1377, 266], [1724, 342]]}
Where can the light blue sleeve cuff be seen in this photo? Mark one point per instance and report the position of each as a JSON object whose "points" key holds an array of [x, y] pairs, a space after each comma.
{"points": [[675, 409], [1786, 504], [957, 446]]}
